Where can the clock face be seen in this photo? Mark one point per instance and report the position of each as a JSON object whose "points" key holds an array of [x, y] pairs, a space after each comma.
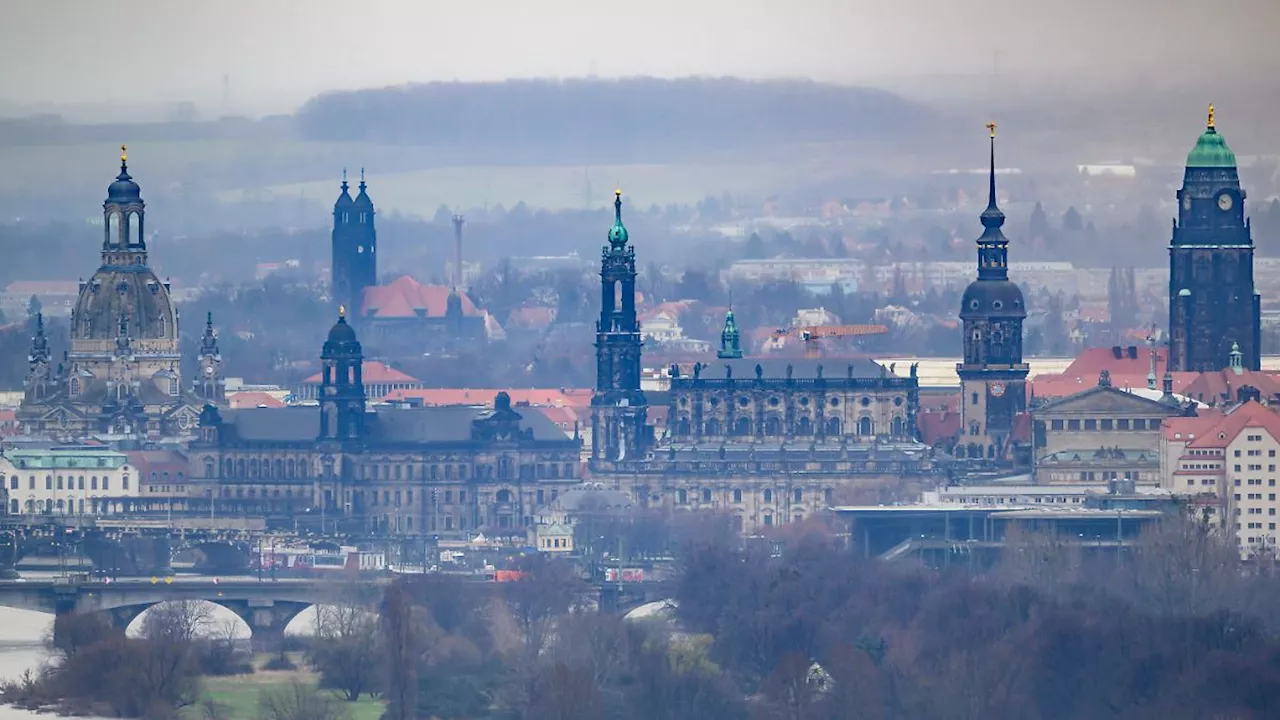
{"points": [[1224, 201], [1186, 202], [997, 389]]}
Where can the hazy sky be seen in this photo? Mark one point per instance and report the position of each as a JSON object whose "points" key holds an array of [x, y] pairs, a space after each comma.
{"points": [[278, 52]]}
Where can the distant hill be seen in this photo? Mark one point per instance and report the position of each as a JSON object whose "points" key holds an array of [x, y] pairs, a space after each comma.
{"points": [[629, 120]]}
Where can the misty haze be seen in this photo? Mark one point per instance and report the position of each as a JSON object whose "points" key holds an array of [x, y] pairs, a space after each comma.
{"points": [[811, 361]]}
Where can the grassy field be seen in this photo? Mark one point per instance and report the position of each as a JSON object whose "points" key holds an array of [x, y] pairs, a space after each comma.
{"points": [[239, 694]]}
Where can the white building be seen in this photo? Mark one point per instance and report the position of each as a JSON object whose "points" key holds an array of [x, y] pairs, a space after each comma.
{"points": [[1226, 466], [69, 481]]}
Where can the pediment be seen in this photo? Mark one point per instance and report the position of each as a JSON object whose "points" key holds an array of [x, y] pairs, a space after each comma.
{"points": [[1105, 400]]}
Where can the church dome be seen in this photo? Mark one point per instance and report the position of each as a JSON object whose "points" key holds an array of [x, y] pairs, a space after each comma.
{"points": [[992, 299], [124, 190], [341, 333], [618, 235], [1211, 151], [124, 299]]}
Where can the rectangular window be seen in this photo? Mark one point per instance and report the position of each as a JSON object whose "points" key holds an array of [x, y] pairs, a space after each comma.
{"points": [[48, 482], [448, 496], [1090, 424], [106, 483], [1122, 424], [1139, 424], [1105, 424], [1056, 425], [974, 399], [1073, 424], [462, 496]]}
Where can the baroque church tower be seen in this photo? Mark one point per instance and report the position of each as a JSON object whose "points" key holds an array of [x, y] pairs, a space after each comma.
{"points": [[1212, 302], [355, 243], [992, 374], [342, 396], [210, 386], [618, 408]]}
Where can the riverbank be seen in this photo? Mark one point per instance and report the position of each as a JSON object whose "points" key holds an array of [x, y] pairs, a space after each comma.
{"points": [[238, 694]]}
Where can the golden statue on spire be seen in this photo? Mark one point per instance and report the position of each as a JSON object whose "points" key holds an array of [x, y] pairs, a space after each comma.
{"points": [[124, 153], [991, 128], [1210, 116], [342, 311]]}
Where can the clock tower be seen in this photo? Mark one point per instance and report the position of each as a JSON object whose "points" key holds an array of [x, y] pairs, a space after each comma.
{"points": [[992, 373], [1212, 302]]}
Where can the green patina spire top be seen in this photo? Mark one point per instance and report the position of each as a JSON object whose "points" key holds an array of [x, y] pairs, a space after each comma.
{"points": [[618, 233], [1211, 149], [730, 339]]}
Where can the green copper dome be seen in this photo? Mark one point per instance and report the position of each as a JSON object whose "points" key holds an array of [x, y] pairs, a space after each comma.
{"points": [[618, 233], [1211, 149]]}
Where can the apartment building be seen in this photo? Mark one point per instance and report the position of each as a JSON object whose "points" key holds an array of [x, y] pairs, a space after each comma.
{"points": [[1228, 470]]}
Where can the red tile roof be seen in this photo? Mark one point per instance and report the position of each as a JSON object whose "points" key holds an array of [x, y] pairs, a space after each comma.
{"points": [[406, 297], [1223, 385], [1249, 415], [563, 397], [1093, 361], [938, 427], [253, 399], [1185, 429], [373, 371]]}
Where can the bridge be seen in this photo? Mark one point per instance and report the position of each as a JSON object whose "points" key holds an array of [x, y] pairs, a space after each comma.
{"points": [[266, 607]]}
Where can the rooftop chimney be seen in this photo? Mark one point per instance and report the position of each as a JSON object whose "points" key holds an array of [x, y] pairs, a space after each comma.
{"points": [[458, 220], [1133, 352], [1117, 352]]}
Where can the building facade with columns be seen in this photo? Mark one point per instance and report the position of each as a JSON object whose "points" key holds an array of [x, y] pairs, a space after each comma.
{"points": [[767, 441], [442, 471]]}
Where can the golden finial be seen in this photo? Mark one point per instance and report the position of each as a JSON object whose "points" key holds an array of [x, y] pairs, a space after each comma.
{"points": [[124, 153], [342, 311], [991, 128], [617, 192], [1210, 116]]}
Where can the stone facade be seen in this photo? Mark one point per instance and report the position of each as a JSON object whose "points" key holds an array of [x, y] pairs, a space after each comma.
{"points": [[444, 471], [766, 441], [122, 375]]}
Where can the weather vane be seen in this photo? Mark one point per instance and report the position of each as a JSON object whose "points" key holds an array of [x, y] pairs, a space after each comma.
{"points": [[991, 128]]}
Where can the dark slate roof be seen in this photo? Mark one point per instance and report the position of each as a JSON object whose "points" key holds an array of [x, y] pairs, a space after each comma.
{"points": [[445, 424], [801, 368], [288, 424], [830, 452]]}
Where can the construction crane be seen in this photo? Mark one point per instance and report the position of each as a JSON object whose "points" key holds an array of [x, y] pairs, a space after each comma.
{"points": [[810, 335]]}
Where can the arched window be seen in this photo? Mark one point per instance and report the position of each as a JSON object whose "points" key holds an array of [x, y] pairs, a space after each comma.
{"points": [[113, 229], [279, 473], [742, 426], [833, 426], [75, 387], [504, 496], [898, 427], [253, 467], [208, 467], [240, 468], [804, 426], [768, 495], [712, 427], [292, 469], [682, 428], [706, 495], [682, 497], [737, 495], [773, 425], [866, 427]]}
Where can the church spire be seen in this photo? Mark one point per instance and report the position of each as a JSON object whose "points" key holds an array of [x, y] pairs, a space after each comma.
{"points": [[209, 341], [730, 339], [39, 343], [618, 235], [993, 246]]}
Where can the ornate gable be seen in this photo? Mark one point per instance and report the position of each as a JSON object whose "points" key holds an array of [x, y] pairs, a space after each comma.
{"points": [[1105, 400]]}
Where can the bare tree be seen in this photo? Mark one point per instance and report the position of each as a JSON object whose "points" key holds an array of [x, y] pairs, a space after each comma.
{"points": [[547, 590], [1178, 566], [346, 650], [178, 621], [401, 652], [299, 702]]}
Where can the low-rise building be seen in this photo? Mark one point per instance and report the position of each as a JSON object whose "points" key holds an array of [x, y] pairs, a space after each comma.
{"points": [[1228, 471], [1100, 434], [79, 480]]}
